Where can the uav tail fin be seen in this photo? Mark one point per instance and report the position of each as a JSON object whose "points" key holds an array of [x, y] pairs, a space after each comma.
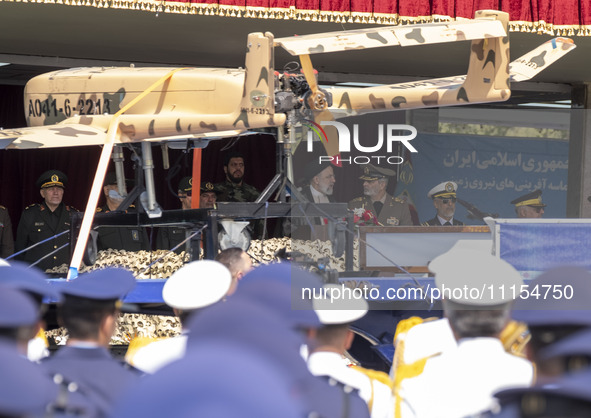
{"points": [[258, 99], [537, 60], [488, 71]]}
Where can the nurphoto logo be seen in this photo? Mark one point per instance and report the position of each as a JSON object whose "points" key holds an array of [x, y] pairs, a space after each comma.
{"points": [[387, 135]]}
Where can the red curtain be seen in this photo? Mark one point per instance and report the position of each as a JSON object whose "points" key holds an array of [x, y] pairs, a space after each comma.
{"points": [[567, 17]]}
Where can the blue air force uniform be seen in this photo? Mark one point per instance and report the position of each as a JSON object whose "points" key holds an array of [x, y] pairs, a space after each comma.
{"points": [[85, 360], [27, 390]]}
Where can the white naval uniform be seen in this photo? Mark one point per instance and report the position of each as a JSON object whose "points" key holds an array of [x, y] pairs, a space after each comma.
{"points": [[324, 363], [425, 340], [37, 350], [158, 354], [461, 382]]}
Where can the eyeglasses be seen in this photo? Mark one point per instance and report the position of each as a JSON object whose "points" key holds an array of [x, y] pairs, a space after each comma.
{"points": [[447, 200]]}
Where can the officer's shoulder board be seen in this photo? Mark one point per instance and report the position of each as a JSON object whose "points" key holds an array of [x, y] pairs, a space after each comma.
{"points": [[2, 207], [357, 199], [34, 205], [425, 223], [399, 200], [71, 208], [375, 375]]}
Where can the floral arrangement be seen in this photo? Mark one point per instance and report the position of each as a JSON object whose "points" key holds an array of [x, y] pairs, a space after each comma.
{"points": [[364, 217]]}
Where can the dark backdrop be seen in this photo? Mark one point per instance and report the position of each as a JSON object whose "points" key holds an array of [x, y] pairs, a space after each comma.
{"points": [[19, 169]]}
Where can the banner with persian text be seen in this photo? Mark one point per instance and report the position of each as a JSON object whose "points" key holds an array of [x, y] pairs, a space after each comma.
{"points": [[490, 172]]}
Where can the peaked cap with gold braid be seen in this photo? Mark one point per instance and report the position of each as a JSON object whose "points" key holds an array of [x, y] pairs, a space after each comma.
{"points": [[445, 189], [533, 199]]}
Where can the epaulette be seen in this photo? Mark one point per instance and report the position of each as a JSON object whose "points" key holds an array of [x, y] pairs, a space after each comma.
{"points": [[132, 206], [2, 207], [137, 343], [69, 208], [375, 375], [33, 205], [357, 199], [399, 200]]}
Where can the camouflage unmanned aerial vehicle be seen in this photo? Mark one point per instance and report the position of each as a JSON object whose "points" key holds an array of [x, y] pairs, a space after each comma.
{"points": [[111, 106]]}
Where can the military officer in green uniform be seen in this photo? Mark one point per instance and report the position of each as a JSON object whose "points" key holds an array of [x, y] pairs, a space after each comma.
{"points": [[119, 237], [170, 237], [186, 192], [444, 199], [44, 220], [388, 210], [234, 189], [6, 239]]}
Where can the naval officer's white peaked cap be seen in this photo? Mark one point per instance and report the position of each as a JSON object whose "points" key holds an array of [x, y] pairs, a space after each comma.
{"points": [[476, 271], [196, 285], [445, 189], [339, 310]]}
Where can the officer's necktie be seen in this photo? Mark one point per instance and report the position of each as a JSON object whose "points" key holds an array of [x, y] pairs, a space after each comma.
{"points": [[378, 207]]}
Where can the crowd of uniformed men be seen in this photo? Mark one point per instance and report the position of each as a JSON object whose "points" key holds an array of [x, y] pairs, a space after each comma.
{"points": [[45, 225], [251, 346]]}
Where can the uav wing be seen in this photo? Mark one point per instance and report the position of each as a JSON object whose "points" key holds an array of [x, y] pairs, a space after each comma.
{"points": [[133, 128], [407, 35], [51, 136], [438, 91]]}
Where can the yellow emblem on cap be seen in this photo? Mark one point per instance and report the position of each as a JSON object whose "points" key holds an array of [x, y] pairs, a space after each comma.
{"points": [[366, 170], [55, 178], [209, 186], [191, 181], [449, 187]]}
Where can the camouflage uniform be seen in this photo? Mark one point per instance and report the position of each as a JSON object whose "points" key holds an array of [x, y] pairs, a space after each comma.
{"points": [[122, 237], [38, 223], [232, 192], [6, 239], [394, 212]]}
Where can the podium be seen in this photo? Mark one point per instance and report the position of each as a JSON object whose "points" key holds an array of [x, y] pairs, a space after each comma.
{"points": [[386, 249]]}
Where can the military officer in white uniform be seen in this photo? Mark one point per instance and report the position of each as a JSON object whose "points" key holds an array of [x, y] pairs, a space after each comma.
{"points": [[461, 382], [388, 210], [444, 199], [328, 347], [430, 337], [194, 286]]}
